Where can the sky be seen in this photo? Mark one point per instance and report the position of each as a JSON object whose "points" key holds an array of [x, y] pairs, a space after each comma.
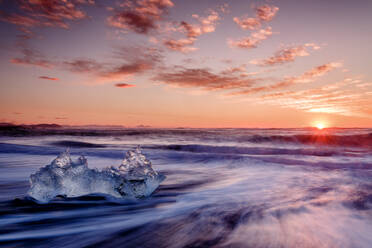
{"points": [[186, 63]]}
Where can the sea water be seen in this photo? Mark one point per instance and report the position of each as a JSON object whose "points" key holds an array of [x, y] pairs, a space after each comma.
{"points": [[223, 188]]}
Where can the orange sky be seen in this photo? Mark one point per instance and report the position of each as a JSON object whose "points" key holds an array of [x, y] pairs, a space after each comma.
{"points": [[187, 63]]}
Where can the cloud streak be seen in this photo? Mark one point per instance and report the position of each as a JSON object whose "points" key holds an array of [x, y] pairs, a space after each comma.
{"points": [[124, 85], [140, 16], [287, 55], [253, 40], [130, 61], [205, 24], [57, 13], [49, 78], [264, 13], [32, 57], [335, 98], [203, 78], [306, 77]]}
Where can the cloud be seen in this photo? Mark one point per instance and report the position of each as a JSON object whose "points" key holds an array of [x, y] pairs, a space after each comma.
{"points": [[120, 71], [286, 55], [306, 77], [253, 40], [83, 65], [247, 23], [140, 16], [237, 69], [124, 85], [317, 72], [129, 61], [49, 78], [325, 99], [202, 78], [19, 20], [32, 57], [266, 12], [192, 31], [181, 45], [45, 13], [61, 118], [208, 23], [205, 24]]}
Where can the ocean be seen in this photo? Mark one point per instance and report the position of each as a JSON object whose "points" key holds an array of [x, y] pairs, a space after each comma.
{"points": [[272, 188]]}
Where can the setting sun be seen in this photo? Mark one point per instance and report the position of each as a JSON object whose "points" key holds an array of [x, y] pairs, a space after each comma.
{"points": [[320, 126]]}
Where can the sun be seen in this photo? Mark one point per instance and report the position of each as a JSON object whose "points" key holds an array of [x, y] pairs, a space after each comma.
{"points": [[320, 126]]}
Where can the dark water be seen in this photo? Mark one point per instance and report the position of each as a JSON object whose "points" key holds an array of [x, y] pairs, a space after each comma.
{"points": [[224, 188]]}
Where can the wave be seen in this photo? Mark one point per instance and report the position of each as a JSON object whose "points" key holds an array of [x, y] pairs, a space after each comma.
{"points": [[194, 148], [72, 143], [358, 140], [305, 136]]}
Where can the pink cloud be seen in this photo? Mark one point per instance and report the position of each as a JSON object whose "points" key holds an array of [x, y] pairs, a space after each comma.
{"points": [[343, 101], [124, 85], [140, 16], [181, 45], [19, 20], [203, 78], [83, 65], [32, 57], [247, 23], [253, 40], [205, 24], [46, 13], [130, 61], [49, 78], [306, 77], [266, 12], [286, 55]]}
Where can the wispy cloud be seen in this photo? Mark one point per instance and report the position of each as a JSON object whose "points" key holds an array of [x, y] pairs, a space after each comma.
{"points": [[306, 77], [248, 23], [253, 40], [203, 78], [205, 24], [49, 78], [83, 65], [46, 13], [181, 45], [32, 57], [124, 85], [140, 16], [129, 61], [264, 13], [287, 55], [61, 118], [337, 98]]}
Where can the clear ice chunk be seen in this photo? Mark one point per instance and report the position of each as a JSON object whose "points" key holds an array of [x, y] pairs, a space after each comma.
{"points": [[134, 178]]}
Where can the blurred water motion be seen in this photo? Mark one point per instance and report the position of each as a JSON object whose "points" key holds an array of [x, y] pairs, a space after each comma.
{"points": [[224, 188]]}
